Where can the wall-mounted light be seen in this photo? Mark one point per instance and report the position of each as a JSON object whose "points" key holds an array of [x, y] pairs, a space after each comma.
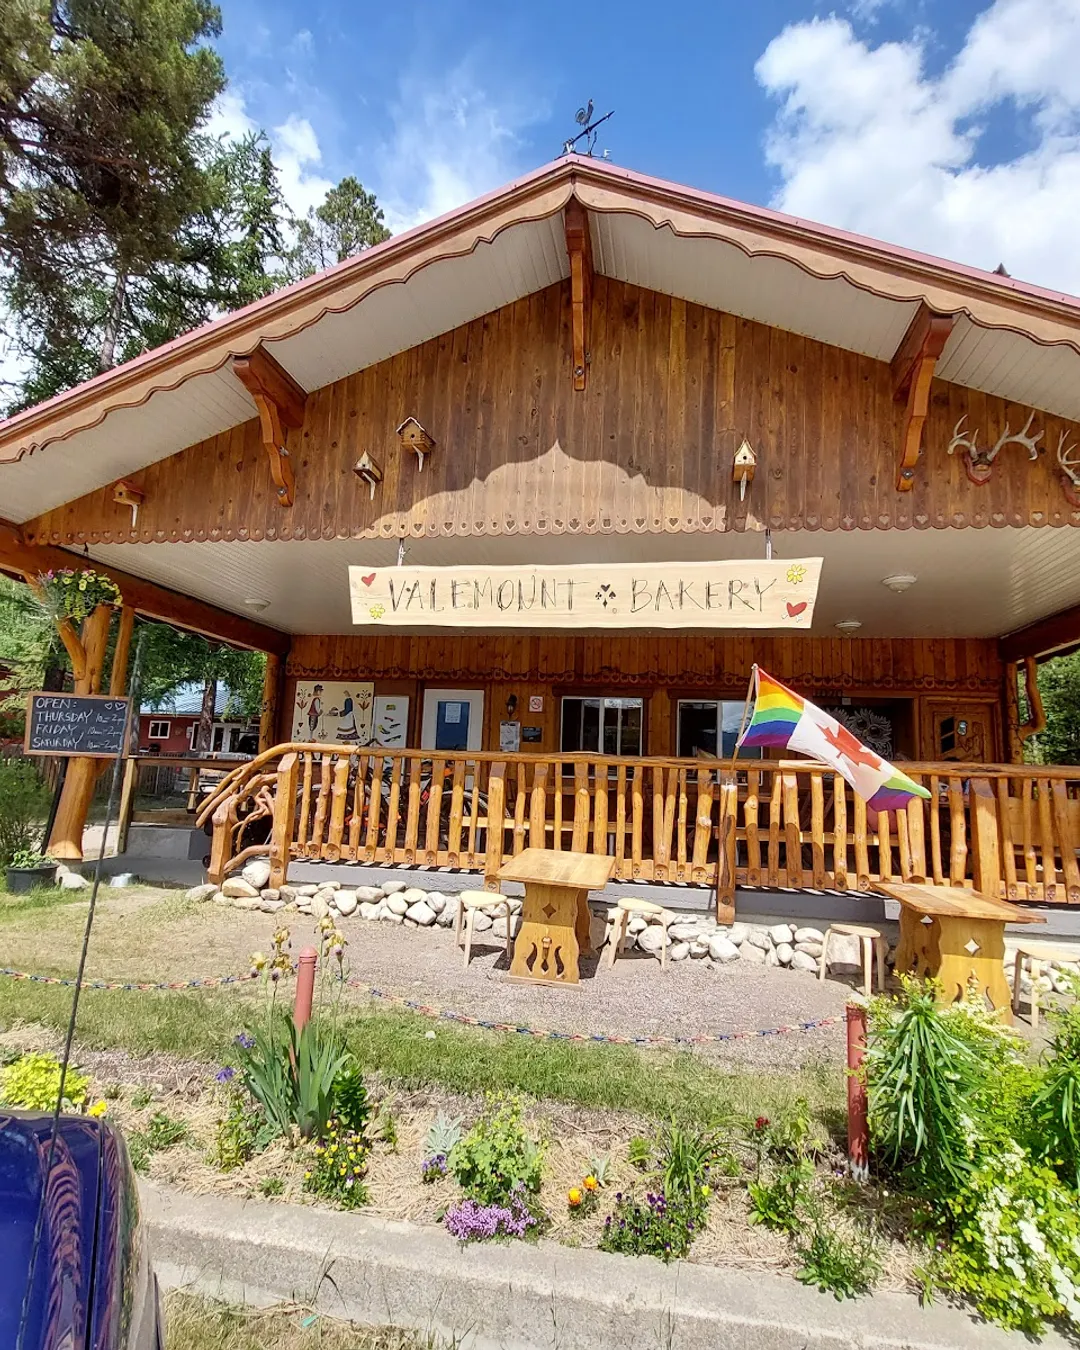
{"points": [[368, 472], [848, 625], [511, 705], [414, 437], [899, 582], [743, 466]]}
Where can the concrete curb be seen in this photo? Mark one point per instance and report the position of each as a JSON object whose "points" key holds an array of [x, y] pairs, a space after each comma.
{"points": [[520, 1296]]}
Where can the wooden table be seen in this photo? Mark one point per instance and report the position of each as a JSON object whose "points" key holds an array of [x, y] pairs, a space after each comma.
{"points": [[955, 935], [555, 916]]}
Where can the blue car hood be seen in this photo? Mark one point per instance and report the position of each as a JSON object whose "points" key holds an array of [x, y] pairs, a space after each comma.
{"points": [[60, 1299]]}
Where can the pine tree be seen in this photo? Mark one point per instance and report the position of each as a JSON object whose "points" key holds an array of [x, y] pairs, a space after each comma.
{"points": [[348, 221]]}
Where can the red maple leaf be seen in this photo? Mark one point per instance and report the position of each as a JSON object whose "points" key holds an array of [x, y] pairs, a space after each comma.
{"points": [[849, 747]]}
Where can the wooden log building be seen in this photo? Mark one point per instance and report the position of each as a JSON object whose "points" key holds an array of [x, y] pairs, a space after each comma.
{"points": [[586, 368]]}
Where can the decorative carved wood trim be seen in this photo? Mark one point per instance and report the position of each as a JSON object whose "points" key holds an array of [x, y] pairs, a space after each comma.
{"points": [[280, 401], [1046, 637], [913, 373], [579, 249]]}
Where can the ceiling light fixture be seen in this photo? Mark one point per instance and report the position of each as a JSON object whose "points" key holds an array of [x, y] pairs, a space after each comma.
{"points": [[257, 606], [899, 582], [848, 625]]}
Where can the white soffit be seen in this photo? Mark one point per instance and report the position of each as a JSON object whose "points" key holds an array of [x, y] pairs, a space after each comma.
{"points": [[971, 583]]}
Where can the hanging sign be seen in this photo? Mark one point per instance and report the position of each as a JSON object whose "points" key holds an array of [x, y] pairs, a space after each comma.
{"points": [[89, 725], [778, 593]]}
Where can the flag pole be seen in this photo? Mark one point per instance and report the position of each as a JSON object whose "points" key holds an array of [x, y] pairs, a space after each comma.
{"points": [[745, 716]]}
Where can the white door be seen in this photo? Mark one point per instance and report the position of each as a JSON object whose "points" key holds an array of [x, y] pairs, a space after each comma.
{"points": [[453, 719]]}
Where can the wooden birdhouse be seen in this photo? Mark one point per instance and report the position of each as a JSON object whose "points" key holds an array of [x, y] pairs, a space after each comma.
{"points": [[127, 494], [414, 437], [743, 466], [368, 472]]}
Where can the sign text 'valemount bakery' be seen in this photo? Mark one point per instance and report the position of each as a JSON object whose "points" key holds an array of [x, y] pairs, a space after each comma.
{"points": [[733, 594]]}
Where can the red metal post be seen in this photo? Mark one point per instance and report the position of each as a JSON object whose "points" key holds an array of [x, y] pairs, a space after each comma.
{"points": [[305, 987], [858, 1132]]}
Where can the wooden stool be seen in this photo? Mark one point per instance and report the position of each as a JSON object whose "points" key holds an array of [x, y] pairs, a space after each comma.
{"points": [[620, 918], [870, 939], [1037, 953], [469, 902]]}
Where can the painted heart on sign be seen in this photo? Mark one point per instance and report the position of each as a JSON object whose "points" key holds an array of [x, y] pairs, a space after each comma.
{"points": [[368, 579], [795, 610]]}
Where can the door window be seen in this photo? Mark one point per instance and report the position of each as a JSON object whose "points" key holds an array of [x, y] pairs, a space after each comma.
{"points": [[453, 719], [709, 728], [606, 726]]}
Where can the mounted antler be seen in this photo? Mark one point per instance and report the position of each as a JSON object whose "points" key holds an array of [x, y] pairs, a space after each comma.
{"points": [[1068, 459], [1020, 438], [962, 442]]}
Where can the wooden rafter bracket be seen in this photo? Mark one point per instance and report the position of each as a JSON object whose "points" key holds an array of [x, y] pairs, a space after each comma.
{"points": [[280, 401], [579, 251], [912, 374], [1036, 713]]}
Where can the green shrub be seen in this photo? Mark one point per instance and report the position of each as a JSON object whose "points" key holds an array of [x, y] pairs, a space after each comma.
{"points": [[1014, 1248], [271, 1187], [775, 1203], [32, 1082], [685, 1157], [839, 1261], [241, 1133], [161, 1132], [24, 805], [351, 1105], [497, 1154], [1055, 1103], [294, 1076]]}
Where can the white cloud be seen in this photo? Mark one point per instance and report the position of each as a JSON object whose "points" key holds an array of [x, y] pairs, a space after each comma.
{"points": [[867, 139], [450, 143], [295, 145]]}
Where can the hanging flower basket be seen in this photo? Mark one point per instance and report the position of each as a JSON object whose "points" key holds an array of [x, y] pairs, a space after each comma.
{"points": [[75, 594]]}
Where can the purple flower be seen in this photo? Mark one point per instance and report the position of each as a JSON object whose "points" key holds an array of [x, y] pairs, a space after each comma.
{"points": [[225, 1075], [244, 1041], [472, 1222]]}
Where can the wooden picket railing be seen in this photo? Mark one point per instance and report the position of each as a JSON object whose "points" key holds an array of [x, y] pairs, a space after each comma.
{"points": [[1010, 830]]}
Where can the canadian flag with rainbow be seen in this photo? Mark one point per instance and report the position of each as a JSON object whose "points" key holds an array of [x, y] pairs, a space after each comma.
{"points": [[785, 720]]}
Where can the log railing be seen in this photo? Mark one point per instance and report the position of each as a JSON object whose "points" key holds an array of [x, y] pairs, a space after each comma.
{"points": [[1012, 830]]}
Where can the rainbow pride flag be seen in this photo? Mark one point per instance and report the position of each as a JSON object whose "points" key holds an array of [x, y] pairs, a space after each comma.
{"points": [[784, 719]]}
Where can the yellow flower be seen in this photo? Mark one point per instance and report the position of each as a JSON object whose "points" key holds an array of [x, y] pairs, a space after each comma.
{"points": [[258, 961], [796, 574], [98, 1109], [590, 1183], [706, 1191], [307, 1176], [573, 1197]]}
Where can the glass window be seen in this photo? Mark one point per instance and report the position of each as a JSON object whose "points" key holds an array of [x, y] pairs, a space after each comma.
{"points": [[606, 726], [159, 731], [709, 728]]}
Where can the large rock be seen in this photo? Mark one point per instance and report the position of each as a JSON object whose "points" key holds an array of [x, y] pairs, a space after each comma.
{"points": [[369, 910], [515, 902], [390, 917], [738, 933], [236, 888], [499, 926], [392, 887], [287, 893], [683, 932], [204, 892], [780, 932], [637, 924], [784, 953], [271, 906], [345, 901], [759, 937], [771, 958], [755, 955], [421, 913], [808, 935], [413, 895], [722, 949], [699, 948], [246, 902], [272, 893], [679, 951], [809, 948], [803, 961], [304, 892], [481, 921], [320, 908], [368, 894], [448, 915], [256, 873], [652, 939], [397, 904], [329, 885], [436, 901], [219, 899], [845, 955], [72, 881]]}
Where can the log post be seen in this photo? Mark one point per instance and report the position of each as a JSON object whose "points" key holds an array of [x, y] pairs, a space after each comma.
{"points": [[725, 862], [985, 838], [288, 776], [268, 711], [65, 842]]}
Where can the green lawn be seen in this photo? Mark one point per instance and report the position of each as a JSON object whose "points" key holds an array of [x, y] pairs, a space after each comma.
{"points": [[193, 1323], [201, 1025]]}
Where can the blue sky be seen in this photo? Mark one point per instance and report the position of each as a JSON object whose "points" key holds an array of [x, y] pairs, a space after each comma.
{"points": [[948, 125]]}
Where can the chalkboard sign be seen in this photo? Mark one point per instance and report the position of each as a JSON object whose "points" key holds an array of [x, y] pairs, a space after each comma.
{"points": [[75, 724]]}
